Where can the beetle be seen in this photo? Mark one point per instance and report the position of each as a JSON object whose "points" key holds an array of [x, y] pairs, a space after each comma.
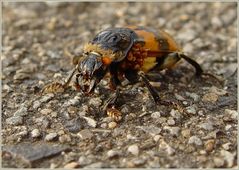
{"points": [[127, 52]]}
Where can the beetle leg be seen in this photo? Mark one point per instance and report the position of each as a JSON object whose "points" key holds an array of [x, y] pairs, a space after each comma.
{"points": [[197, 67], [57, 87], [109, 105], [199, 71]]}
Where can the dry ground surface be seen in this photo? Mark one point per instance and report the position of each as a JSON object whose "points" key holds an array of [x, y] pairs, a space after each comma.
{"points": [[69, 129]]}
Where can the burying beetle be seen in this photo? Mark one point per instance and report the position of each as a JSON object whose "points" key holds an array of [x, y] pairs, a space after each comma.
{"points": [[128, 52]]}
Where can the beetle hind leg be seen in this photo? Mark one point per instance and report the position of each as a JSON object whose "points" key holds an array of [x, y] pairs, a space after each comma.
{"points": [[199, 70]]}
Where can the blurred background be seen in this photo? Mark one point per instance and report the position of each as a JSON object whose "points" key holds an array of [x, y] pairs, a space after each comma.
{"points": [[39, 40]]}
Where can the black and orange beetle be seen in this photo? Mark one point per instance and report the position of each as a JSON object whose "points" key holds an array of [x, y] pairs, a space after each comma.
{"points": [[128, 52]]}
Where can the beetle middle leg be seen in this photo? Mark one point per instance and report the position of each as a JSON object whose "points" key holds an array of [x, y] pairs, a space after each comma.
{"points": [[109, 105]]}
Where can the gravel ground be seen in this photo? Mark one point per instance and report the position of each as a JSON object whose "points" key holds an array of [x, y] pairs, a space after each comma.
{"points": [[68, 130]]}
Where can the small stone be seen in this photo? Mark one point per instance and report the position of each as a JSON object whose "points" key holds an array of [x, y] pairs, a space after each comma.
{"points": [[217, 91], [152, 130], [73, 102], [210, 97], [72, 110], [156, 115], [91, 122], [133, 149], [174, 131], [15, 120], [138, 161], [209, 145], [157, 137], [95, 165], [95, 102], [65, 138], [85, 134], [72, 165], [219, 162], [175, 114], [54, 114], [194, 96], [32, 152], [179, 97], [112, 125], [191, 109], [36, 104], [228, 127], [186, 133], [226, 146], [232, 113], [45, 111], [84, 160], [113, 153], [228, 157], [195, 140], [35, 133], [206, 126], [171, 122], [51, 136], [164, 147], [21, 112]]}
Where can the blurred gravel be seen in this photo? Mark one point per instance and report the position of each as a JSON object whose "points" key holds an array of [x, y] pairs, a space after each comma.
{"points": [[202, 135]]}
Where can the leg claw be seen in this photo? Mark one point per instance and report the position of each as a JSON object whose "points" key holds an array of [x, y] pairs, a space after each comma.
{"points": [[54, 87], [114, 113]]}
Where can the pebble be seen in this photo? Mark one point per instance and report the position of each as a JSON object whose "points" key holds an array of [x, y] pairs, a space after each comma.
{"points": [[171, 121], [210, 97], [194, 96], [209, 145], [21, 112], [217, 91], [186, 133], [83, 160], [175, 114], [72, 165], [112, 125], [232, 113], [206, 126], [174, 131], [219, 162], [65, 138], [191, 109], [95, 102], [45, 111], [91, 122], [15, 120], [157, 137], [156, 115], [72, 110], [152, 130], [228, 127], [51, 136], [165, 148], [73, 102], [228, 157], [195, 140], [179, 97], [36, 104], [226, 146], [35, 133], [133, 149], [113, 153], [85, 134]]}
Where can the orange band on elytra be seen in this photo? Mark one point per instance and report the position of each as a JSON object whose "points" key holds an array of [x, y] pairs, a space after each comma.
{"points": [[106, 60]]}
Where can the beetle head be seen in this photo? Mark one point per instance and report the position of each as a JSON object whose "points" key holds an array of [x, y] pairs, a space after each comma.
{"points": [[91, 71]]}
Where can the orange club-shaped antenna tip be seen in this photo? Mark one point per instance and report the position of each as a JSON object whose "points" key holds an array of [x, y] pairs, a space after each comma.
{"points": [[106, 60]]}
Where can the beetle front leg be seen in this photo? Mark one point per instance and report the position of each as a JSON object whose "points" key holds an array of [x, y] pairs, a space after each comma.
{"points": [[57, 87]]}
